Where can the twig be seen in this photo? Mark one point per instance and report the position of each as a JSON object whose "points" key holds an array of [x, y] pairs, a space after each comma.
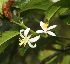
{"points": [[63, 37], [55, 54], [22, 25]]}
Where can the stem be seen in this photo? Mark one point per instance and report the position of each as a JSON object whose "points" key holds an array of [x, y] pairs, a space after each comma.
{"points": [[63, 37], [53, 55], [22, 25]]}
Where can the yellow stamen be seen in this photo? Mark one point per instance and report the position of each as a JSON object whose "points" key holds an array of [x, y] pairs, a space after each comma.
{"points": [[45, 25], [21, 42], [24, 40]]}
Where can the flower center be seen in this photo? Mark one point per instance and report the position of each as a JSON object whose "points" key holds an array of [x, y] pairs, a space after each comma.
{"points": [[25, 39], [45, 25]]}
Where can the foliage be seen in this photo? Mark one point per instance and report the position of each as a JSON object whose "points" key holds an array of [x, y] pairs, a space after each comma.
{"points": [[28, 14]]}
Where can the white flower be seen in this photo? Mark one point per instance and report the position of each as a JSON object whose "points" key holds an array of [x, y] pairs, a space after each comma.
{"points": [[55, 1], [45, 29], [26, 38]]}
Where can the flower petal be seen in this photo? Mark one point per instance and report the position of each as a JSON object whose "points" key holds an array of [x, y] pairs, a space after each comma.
{"points": [[26, 32], [41, 23], [51, 27], [21, 33], [43, 26], [32, 46], [34, 39], [39, 31], [51, 33]]}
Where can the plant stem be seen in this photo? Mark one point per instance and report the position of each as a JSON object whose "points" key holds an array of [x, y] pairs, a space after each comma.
{"points": [[55, 54], [22, 25]]}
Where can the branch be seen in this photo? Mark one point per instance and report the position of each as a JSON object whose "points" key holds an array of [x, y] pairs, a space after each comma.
{"points": [[22, 25], [55, 54]]}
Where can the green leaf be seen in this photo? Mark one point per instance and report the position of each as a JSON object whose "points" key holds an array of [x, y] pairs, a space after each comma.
{"points": [[63, 3], [66, 59], [7, 35], [52, 11], [61, 11], [67, 20], [34, 4], [3, 46], [46, 5]]}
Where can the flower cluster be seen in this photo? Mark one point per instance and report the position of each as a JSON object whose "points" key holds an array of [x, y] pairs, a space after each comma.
{"points": [[26, 39]]}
